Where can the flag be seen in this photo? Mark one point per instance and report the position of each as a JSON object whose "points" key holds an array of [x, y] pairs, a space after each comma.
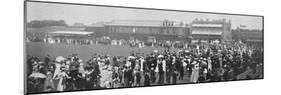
{"points": [[243, 26]]}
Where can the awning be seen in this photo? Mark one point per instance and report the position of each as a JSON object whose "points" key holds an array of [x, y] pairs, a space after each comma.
{"points": [[206, 25], [251, 40], [72, 32], [207, 32]]}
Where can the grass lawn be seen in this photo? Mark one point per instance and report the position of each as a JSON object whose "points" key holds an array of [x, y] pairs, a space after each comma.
{"points": [[84, 51]]}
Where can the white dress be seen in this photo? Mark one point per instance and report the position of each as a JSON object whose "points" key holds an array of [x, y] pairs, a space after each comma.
{"points": [[141, 64], [60, 86], [57, 69], [164, 65], [157, 68], [195, 73], [210, 65]]}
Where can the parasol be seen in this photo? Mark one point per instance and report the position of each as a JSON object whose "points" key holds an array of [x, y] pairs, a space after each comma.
{"points": [[186, 51], [131, 57], [155, 51], [160, 56], [60, 58], [204, 64], [37, 75]]}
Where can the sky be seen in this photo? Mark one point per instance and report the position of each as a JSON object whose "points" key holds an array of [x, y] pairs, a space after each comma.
{"points": [[92, 14]]}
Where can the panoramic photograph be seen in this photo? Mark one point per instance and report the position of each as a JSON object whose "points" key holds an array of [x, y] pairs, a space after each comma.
{"points": [[76, 47]]}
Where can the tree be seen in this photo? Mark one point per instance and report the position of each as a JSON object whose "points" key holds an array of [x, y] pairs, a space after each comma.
{"points": [[44, 23]]}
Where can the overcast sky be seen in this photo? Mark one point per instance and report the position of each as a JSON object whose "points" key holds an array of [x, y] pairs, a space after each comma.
{"points": [[91, 14]]}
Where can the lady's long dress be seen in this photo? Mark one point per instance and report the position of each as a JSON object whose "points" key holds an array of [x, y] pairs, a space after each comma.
{"points": [[106, 78], [57, 69], [141, 64], [61, 85], [195, 73], [49, 84]]}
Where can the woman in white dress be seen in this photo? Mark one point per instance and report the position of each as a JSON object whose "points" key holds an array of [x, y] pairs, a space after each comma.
{"points": [[61, 76], [49, 84], [195, 72]]}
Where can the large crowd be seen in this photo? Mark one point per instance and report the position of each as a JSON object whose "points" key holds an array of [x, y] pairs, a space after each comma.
{"points": [[209, 62], [103, 40]]}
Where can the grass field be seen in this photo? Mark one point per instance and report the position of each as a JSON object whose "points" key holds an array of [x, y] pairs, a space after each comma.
{"points": [[84, 51]]}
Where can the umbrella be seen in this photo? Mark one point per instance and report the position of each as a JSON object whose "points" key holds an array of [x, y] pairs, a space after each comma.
{"points": [[180, 51], [60, 58], [204, 64], [187, 51], [131, 57], [160, 56], [155, 51], [37, 75]]}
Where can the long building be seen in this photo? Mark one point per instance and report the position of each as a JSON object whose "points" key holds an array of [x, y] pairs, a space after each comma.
{"points": [[210, 30], [144, 30], [250, 36]]}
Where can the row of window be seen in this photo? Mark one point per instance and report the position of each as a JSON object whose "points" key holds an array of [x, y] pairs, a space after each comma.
{"points": [[147, 30]]}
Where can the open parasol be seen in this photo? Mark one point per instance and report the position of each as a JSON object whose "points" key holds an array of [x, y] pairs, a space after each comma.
{"points": [[60, 58], [37, 75], [160, 56], [155, 51], [131, 57]]}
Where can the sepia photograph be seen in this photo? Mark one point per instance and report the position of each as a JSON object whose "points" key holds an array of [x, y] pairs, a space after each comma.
{"points": [[78, 47]]}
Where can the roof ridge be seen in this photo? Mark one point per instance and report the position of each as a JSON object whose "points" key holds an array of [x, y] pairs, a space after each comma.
{"points": [[137, 20]]}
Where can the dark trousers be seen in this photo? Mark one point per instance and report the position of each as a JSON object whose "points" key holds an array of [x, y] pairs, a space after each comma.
{"points": [[161, 77], [174, 78], [181, 73], [168, 76], [146, 80], [152, 76]]}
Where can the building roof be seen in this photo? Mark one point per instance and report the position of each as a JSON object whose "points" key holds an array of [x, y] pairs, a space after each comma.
{"points": [[96, 25], [139, 23], [207, 32], [211, 21], [151, 23], [254, 40], [46, 30], [72, 32]]}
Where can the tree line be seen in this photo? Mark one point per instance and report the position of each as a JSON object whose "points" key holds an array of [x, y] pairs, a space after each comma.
{"points": [[44, 23]]}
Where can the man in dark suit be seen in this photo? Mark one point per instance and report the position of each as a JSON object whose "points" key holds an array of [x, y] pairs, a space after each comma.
{"points": [[152, 69], [168, 69], [175, 75], [161, 72], [146, 80]]}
